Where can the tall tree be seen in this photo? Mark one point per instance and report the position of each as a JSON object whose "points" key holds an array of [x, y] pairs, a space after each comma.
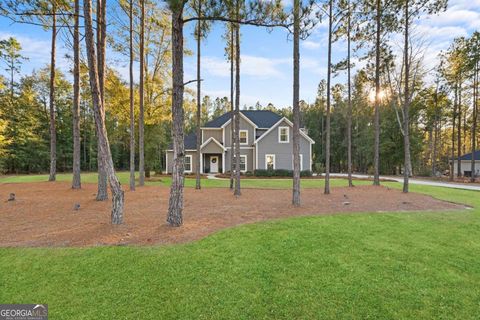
{"points": [[141, 115], [76, 182], [10, 54], [237, 191], [101, 65], [53, 131], [376, 156], [232, 92], [329, 75], [473, 62], [349, 85], [132, 98], [199, 97], [99, 114], [296, 107]]}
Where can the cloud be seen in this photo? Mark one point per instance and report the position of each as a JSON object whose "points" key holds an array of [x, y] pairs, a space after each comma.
{"points": [[308, 44], [255, 66]]}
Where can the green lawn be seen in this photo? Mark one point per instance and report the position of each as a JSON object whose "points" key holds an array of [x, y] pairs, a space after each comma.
{"points": [[381, 266], [189, 181]]}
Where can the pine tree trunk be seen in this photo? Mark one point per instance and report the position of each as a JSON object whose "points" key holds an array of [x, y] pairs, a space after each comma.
{"points": [[376, 157], [406, 108], [454, 116], [459, 131], [104, 145], [198, 185], [474, 123], [175, 206], [76, 182], [349, 113], [101, 46], [232, 115], [237, 191], [132, 106], [329, 74], [296, 98], [53, 130], [141, 121]]}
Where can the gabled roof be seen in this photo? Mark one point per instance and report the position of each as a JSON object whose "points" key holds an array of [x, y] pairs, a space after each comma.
{"points": [[468, 156], [302, 133], [261, 118], [212, 139], [190, 142]]}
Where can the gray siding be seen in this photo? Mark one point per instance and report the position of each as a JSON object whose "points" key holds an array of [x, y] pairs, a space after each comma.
{"points": [[248, 152], [170, 160], [217, 134], [244, 125], [212, 147], [283, 151]]}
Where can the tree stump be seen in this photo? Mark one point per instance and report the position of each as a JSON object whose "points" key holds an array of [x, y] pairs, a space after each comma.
{"points": [[11, 197], [76, 206]]}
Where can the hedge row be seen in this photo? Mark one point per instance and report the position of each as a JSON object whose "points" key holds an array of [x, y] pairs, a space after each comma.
{"points": [[278, 173]]}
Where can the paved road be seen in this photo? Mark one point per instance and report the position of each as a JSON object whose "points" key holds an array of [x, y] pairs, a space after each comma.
{"points": [[416, 181]]}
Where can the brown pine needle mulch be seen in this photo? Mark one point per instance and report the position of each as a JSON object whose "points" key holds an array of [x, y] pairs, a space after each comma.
{"points": [[44, 214]]}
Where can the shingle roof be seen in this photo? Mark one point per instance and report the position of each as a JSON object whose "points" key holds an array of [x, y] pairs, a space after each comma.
{"points": [[261, 118], [190, 142], [468, 156]]}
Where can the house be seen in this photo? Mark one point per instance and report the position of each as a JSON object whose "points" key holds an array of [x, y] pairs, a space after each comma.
{"points": [[466, 164], [265, 143]]}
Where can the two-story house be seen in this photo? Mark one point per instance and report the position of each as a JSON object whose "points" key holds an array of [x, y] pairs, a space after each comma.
{"points": [[265, 143]]}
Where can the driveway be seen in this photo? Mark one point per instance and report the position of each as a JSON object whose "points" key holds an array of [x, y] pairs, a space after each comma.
{"points": [[414, 181]]}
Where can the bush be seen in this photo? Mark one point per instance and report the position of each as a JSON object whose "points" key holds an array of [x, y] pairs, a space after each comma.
{"points": [[305, 173], [280, 173], [249, 173], [319, 167]]}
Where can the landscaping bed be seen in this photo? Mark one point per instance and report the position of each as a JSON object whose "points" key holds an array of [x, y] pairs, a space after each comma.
{"points": [[43, 213]]}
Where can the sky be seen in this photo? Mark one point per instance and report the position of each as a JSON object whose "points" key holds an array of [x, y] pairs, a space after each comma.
{"points": [[266, 67]]}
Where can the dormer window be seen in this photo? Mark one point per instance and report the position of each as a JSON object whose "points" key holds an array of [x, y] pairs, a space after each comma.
{"points": [[243, 136], [283, 134]]}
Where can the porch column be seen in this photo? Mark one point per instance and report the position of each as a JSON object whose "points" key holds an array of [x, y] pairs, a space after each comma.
{"points": [[223, 161], [201, 162]]}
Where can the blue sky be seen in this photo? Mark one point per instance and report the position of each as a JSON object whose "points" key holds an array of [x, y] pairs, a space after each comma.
{"points": [[266, 70]]}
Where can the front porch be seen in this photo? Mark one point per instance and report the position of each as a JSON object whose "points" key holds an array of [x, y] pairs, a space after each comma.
{"points": [[212, 156]]}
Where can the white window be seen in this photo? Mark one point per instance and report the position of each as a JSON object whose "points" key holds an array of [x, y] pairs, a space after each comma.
{"points": [[243, 136], [283, 134], [301, 162], [188, 163], [243, 163], [270, 161]]}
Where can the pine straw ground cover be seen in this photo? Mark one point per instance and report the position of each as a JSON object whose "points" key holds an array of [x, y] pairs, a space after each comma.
{"points": [[418, 265]]}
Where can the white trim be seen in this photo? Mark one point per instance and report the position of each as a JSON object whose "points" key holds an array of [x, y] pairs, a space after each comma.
{"points": [[239, 136], [201, 162], [246, 162], [301, 161], [223, 162], [191, 163], [166, 162], [256, 157], [280, 134], [210, 128], [274, 160], [311, 151], [290, 124], [241, 148], [244, 117], [223, 136], [214, 140]]}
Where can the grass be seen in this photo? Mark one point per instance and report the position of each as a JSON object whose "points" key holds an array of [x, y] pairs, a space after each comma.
{"points": [[189, 181], [419, 265]]}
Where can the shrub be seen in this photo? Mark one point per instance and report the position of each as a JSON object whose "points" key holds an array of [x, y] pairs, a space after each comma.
{"points": [[305, 173]]}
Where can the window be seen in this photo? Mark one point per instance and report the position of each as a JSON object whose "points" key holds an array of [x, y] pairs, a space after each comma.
{"points": [[270, 162], [243, 163], [301, 162], [243, 136], [188, 163], [283, 135]]}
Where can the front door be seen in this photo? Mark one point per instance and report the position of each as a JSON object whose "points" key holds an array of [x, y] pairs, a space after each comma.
{"points": [[214, 164]]}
